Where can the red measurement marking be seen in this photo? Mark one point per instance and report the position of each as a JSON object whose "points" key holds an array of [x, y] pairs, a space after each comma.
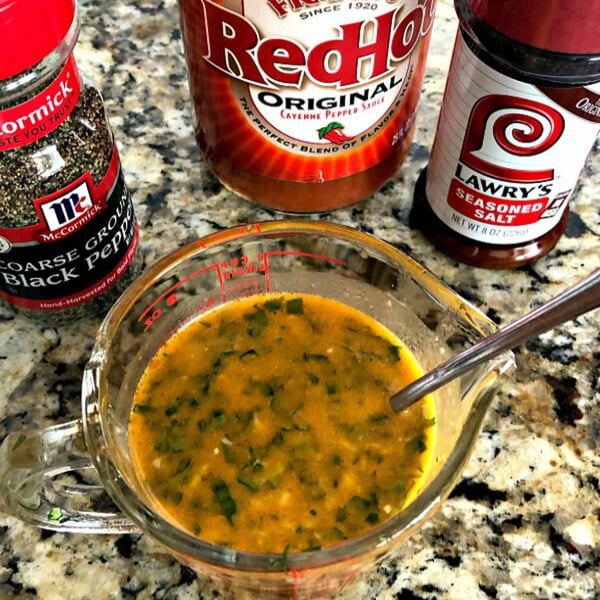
{"points": [[168, 293], [324, 257], [153, 312], [296, 576]]}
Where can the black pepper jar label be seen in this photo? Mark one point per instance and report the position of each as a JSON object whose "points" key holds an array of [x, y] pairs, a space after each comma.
{"points": [[43, 113], [85, 240]]}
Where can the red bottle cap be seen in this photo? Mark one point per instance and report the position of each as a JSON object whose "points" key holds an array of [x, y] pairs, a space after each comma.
{"points": [[30, 30], [568, 26]]}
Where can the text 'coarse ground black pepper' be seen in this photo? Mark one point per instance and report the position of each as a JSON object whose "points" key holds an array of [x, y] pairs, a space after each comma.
{"points": [[68, 230]]}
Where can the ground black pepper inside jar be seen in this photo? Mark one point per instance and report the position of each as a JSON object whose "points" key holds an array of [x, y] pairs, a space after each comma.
{"points": [[68, 231]]}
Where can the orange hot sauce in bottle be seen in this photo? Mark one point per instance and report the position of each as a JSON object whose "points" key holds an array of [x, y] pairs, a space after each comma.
{"points": [[305, 106]]}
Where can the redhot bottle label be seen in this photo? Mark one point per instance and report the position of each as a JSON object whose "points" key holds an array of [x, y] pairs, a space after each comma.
{"points": [[507, 154], [84, 241], [318, 80], [37, 117]]}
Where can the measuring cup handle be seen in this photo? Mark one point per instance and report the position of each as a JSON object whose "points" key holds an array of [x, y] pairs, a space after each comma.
{"points": [[47, 479]]}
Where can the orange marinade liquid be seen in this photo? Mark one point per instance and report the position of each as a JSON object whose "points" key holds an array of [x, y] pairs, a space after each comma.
{"points": [[252, 429]]}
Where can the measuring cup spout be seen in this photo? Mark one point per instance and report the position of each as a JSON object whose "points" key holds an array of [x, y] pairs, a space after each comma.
{"points": [[573, 302]]}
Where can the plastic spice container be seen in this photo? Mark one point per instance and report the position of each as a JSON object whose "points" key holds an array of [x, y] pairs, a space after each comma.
{"points": [[305, 106], [520, 114], [68, 231]]}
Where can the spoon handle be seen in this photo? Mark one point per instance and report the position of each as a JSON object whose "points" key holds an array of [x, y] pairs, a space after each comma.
{"points": [[574, 301]]}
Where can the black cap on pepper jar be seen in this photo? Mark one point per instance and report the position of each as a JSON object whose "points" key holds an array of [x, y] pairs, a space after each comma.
{"points": [[520, 114], [68, 231]]}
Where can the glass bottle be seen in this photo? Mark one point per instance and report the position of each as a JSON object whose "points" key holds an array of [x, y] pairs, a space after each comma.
{"points": [[520, 114], [305, 106], [68, 230]]}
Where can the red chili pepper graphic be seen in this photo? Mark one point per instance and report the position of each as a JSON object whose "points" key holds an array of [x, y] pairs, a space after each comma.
{"points": [[333, 133]]}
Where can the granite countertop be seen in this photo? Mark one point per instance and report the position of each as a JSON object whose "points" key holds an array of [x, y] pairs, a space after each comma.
{"points": [[523, 522]]}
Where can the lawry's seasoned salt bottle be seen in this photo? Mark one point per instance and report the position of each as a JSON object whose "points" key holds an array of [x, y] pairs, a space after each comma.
{"points": [[305, 105], [520, 113]]}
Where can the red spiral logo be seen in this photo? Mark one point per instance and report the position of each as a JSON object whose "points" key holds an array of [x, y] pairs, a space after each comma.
{"points": [[527, 133], [519, 126]]}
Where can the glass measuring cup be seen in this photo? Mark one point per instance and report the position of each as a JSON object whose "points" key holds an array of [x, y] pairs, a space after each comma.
{"points": [[58, 477]]}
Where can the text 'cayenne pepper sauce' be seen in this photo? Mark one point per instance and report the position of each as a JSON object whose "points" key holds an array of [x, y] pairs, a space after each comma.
{"points": [[305, 106], [520, 114]]}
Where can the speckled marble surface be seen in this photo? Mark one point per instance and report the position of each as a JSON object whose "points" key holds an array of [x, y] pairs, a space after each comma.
{"points": [[523, 521]]}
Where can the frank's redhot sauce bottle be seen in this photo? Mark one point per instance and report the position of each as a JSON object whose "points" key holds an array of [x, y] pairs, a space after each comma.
{"points": [[520, 114], [305, 105]]}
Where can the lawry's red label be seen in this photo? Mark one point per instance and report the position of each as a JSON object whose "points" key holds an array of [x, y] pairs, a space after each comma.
{"points": [[37, 117], [507, 154]]}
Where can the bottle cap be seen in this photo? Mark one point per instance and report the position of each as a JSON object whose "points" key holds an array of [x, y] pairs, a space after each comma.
{"points": [[30, 30], [567, 26]]}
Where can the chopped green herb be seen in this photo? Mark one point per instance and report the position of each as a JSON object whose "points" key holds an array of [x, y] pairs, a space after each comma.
{"points": [[308, 356], [258, 321], [247, 484], [218, 417], [220, 360], [267, 390], [281, 561], [228, 451], [142, 408], [171, 445], [347, 429], [314, 379], [295, 306], [331, 389], [22, 437], [176, 497], [380, 383], [393, 354], [417, 445], [204, 383], [312, 548], [224, 500], [248, 354], [274, 305], [359, 502], [378, 418], [244, 418], [400, 488], [372, 518], [193, 402], [58, 515], [184, 465]]}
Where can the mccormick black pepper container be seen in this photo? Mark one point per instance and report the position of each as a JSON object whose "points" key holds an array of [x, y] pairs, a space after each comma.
{"points": [[68, 231], [520, 114]]}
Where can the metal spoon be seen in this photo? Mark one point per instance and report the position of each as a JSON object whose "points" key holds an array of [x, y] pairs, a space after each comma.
{"points": [[574, 301]]}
